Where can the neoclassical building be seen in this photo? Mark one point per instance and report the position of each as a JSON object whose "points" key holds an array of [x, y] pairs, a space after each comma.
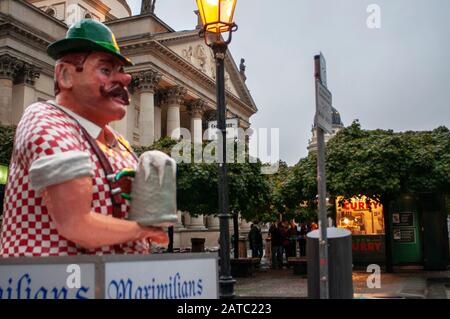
{"points": [[173, 77]]}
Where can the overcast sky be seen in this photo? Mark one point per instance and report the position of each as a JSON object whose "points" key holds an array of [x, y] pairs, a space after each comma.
{"points": [[395, 77]]}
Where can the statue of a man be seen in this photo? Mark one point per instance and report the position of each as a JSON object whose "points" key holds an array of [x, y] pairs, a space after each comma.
{"points": [[60, 198]]}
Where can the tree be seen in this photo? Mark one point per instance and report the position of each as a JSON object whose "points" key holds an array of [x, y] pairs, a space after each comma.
{"points": [[382, 163], [427, 159], [364, 162], [7, 134], [298, 191]]}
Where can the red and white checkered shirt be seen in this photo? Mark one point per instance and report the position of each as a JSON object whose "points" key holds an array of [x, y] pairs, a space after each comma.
{"points": [[28, 229]]}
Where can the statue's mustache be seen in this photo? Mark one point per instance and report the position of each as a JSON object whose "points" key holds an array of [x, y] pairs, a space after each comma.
{"points": [[117, 90]]}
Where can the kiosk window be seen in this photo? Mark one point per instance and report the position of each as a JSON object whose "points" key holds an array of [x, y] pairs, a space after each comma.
{"points": [[360, 216]]}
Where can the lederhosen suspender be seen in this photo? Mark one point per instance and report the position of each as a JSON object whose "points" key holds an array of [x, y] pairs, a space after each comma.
{"points": [[114, 187], [115, 190], [116, 198]]}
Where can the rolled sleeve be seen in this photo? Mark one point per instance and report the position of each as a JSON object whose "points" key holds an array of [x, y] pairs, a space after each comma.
{"points": [[59, 168]]}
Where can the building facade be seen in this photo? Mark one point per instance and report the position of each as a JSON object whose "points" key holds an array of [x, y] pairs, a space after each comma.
{"points": [[173, 77]]}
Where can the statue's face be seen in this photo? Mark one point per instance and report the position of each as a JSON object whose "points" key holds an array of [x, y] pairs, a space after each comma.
{"points": [[100, 90]]}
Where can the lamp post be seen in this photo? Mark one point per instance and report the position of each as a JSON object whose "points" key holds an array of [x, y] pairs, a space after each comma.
{"points": [[217, 18]]}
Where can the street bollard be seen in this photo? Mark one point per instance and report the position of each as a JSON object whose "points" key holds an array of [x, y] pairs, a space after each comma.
{"points": [[339, 264]]}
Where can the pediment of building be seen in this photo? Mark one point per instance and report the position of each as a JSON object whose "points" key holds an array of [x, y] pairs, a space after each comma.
{"points": [[189, 46]]}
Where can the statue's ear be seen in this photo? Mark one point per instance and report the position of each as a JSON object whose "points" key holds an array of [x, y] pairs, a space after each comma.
{"points": [[64, 75]]}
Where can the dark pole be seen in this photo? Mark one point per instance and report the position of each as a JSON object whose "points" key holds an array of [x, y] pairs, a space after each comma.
{"points": [[226, 282], [236, 235], [322, 191], [170, 233]]}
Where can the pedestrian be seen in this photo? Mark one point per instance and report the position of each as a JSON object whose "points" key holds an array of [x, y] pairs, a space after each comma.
{"points": [[285, 242], [255, 240], [277, 249], [293, 236], [302, 239]]}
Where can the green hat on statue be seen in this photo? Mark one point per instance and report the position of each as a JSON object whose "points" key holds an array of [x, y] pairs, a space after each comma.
{"points": [[87, 35]]}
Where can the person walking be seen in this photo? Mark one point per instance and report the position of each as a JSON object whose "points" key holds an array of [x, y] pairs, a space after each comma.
{"points": [[285, 242], [302, 239], [293, 234], [277, 249], [255, 239]]}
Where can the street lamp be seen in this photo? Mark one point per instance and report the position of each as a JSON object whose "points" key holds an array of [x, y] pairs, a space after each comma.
{"points": [[217, 18]]}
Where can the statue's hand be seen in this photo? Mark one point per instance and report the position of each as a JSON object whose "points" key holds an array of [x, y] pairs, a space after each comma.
{"points": [[155, 235]]}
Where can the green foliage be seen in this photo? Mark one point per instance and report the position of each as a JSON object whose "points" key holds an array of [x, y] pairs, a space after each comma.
{"points": [[164, 145], [427, 159], [7, 134], [376, 163], [294, 191], [379, 163], [276, 181], [364, 162]]}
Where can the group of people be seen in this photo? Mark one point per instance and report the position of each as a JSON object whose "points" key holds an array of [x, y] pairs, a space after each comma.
{"points": [[284, 236]]}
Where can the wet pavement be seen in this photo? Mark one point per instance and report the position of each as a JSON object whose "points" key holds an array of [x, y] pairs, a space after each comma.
{"points": [[409, 284]]}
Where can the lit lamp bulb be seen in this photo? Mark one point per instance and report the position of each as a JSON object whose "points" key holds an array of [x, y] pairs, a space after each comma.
{"points": [[217, 15]]}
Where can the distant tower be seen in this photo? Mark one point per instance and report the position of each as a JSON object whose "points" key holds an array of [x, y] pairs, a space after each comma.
{"points": [[148, 6], [337, 125]]}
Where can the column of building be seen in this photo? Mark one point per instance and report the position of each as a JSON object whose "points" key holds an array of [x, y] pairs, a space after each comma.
{"points": [[179, 224], [9, 66], [212, 222], [196, 109], [158, 117], [24, 92], [244, 225], [194, 222], [146, 83], [17, 91], [172, 99]]}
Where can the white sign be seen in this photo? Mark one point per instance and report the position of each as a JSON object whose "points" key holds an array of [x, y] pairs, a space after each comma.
{"points": [[232, 129], [165, 279], [323, 117], [46, 281], [165, 276]]}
